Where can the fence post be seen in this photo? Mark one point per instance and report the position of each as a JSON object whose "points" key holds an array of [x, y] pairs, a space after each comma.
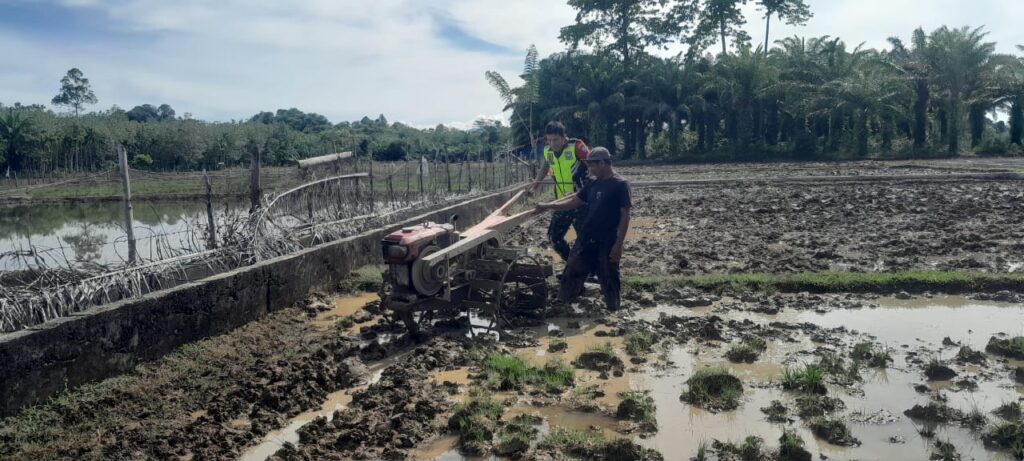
{"points": [[254, 177], [209, 209], [422, 162], [369, 155], [448, 172], [391, 189], [129, 215]]}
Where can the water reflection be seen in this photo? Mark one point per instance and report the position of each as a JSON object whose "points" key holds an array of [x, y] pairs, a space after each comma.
{"points": [[75, 234]]}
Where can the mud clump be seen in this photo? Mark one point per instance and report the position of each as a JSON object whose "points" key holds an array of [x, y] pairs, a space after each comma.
{"points": [[390, 417], [834, 431], [968, 355], [937, 412], [476, 422], [936, 371], [639, 408], [748, 350], [600, 358], [713, 389], [791, 447], [1013, 347], [591, 445], [812, 405], [776, 412]]}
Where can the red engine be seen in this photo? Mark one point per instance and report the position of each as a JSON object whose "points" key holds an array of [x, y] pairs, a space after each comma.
{"points": [[402, 251]]}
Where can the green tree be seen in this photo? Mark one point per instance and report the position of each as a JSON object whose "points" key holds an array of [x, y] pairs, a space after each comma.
{"points": [[75, 91], [913, 65], [20, 137], [718, 18], [522, 100], [794, 12], [958, 60], [626, 26]]}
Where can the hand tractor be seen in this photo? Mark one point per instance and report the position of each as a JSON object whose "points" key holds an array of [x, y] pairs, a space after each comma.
{"points": [[435, 271]]}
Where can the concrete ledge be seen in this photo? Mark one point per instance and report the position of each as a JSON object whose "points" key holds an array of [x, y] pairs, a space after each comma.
{"points": [[104, 341]]}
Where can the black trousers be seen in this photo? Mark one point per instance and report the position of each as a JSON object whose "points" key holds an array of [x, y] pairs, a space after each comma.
{"points": [[589, 257], [560, 222]]}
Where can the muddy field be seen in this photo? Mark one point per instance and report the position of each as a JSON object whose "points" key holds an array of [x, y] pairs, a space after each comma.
{"points": [[855, 227], [680, 374]]}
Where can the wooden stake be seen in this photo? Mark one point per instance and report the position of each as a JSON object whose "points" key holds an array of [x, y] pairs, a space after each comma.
{"points": [[254, 178], [129, 215], [212, 224]]}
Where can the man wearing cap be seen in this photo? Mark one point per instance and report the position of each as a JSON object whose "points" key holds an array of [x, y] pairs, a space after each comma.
{"points": [[598, 247], [564, 158]]}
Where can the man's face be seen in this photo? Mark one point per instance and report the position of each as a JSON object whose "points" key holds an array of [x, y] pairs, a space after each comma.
{"points": [[598, 167], [555, 141]]}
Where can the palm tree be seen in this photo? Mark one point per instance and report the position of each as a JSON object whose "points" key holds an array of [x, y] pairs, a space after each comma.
{"points": [[912, 64], [522, 100], [20, 137], [957, 59], [1009, 83]]}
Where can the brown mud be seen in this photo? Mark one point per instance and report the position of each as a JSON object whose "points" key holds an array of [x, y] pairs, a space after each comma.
{"points": [[333, 379]]}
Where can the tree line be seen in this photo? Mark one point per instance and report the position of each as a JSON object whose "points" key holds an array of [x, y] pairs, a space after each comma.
{"points": [[39, 141], [945, 92]]}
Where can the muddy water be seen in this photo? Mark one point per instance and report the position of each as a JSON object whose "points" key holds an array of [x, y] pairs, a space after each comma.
{"points": [[920, 324], [343, 307]]}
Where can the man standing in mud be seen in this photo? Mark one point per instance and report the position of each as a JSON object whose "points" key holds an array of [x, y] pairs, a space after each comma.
{"points": [[598, 247], [564, 158]]}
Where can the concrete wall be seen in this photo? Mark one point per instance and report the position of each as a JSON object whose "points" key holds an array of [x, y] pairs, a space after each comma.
{"points": [[108, 340]]}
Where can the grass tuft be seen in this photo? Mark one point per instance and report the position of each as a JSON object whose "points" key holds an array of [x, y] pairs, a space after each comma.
{"points": [[810, 379], [713, 389], [508, 372], [640, 343]]}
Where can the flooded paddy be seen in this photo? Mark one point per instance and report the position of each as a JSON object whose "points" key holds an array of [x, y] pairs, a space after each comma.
{"points": [[873, 405]]}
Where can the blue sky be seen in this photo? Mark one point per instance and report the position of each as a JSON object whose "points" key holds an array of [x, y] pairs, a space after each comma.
{"points": [[415, 61]]}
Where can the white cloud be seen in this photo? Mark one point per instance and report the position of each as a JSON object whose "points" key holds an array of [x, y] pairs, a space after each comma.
{"points": [[348, 58]]}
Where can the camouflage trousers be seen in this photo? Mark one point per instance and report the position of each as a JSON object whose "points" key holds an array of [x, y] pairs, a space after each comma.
{"points": [[560, 222]]}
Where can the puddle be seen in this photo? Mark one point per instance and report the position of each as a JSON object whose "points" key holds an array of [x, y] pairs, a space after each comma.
{"points": [[343, 307], [916, 321]]}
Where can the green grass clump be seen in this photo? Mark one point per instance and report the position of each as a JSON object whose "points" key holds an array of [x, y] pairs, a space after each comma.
{"points": [[508, 372], [366, 279], [557, 345], [639, 407], [1010, 411], [476, 421], [969, 355], [345, 322], [713, 389], [791, 447], [515, 437], [577, 444], [748, 350], [1013, 347], [810, 379], [1008, 435], [867, 353], [600, 357], [945, 451], [640, 343], [834, 431], [812, 405]]}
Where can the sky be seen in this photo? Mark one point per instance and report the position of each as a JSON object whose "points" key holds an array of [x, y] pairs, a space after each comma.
{"points": [[421, 62]]}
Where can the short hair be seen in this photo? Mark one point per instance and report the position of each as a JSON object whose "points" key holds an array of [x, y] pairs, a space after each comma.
{"points": [[555, 128]]}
